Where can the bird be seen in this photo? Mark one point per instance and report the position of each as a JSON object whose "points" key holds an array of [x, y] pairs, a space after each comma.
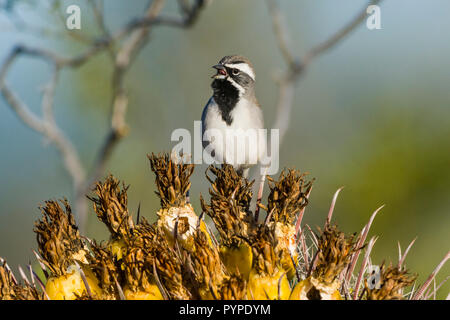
{"points": [[232, 117]]}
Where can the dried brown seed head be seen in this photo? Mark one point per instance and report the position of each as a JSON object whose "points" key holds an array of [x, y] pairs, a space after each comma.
{"points": [[58, 238], [206, 267], [172, 180], [233, 287], [10, 290], [392, 281], [168, 264], [334, 254], [287, 196], [266, 260], [230, 185], [106, 269], [110, 205], [229, 209]]}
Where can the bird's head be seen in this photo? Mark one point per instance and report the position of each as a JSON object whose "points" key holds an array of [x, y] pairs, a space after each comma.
{"points": [[236, 71]]}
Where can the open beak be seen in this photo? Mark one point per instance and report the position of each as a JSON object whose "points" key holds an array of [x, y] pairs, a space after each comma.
{"points": [[221, 71]]}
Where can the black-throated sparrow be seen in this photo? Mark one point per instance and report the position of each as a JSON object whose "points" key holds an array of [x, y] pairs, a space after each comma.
{"points": [[232, 119]]}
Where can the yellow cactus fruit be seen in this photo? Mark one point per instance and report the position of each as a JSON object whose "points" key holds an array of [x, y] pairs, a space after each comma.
{"points": [[238, 258], [103, 264], [178, 258], [268, 287], [312, 289], [168, 265], [286, 198], [70, 286], [138, 265], [151, 292], [207, 270], [333, 256], [287, 246], [230, 200], [152, 251], [267, 278], [59, 241], [60, 246], [140, 284], [176, 216], [111, 207], [118, 248]]}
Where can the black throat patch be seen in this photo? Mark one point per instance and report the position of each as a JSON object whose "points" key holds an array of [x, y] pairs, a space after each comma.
{"points": [[226, 97]]}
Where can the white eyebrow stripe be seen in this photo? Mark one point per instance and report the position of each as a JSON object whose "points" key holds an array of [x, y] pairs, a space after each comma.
{"points": [[244, 68]]}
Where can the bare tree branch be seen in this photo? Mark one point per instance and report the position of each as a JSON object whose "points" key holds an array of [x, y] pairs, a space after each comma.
{"points": [[295, 68], [46, 125], [281, 33], [339, 35], [135, 35], [97, 8], [120, 100]]}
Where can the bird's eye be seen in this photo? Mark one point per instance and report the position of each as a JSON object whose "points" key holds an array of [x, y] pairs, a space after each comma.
{"points": [[235, 71]]}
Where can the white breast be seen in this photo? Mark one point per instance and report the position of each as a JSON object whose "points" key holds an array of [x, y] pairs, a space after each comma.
{"points": [[241, 143]]}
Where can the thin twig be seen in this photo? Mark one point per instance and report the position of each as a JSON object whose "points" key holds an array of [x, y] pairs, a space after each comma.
{"points": [[46, 125], [296, 67]]}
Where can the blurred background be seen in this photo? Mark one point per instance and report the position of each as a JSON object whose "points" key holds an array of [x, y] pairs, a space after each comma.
{"points": [[372, 114]]}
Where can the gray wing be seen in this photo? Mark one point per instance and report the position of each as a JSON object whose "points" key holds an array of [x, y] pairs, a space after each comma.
{"points": [[207, 108]]}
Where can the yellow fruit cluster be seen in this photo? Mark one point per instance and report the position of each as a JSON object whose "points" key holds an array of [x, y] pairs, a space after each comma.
{"points": [[179, 257]]}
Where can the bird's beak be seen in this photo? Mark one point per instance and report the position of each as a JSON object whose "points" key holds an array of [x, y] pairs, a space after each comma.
{"points": [[221, 71]]}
